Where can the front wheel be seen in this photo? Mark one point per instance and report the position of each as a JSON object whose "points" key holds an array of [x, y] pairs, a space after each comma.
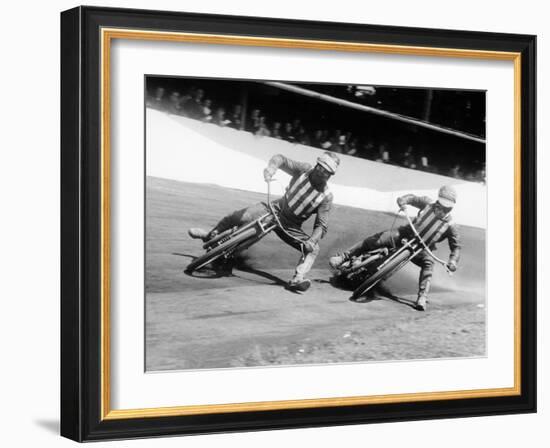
{"points": [[219, 251], [399, 260]]}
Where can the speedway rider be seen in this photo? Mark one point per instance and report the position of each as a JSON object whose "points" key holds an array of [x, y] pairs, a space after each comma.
{"points": [[433, 223], [306, 194]]}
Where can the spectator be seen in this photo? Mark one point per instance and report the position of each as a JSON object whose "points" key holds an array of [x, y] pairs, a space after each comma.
{"points": [[174, 103], [339, 145], [335, 140], [476, 174], [158, 98], [253, 124], [288, 133], [207, 110], [424, 164], [482, 175], [302, 136], [184, 98], [262, 130], [368, 150], [194, 107], [455, 171], [219, 118], [317, 140], [236, 117], [352, 147], [276, 131], [408, 160], [383, 154], [296, 124], [326, 141], [345, 142]]}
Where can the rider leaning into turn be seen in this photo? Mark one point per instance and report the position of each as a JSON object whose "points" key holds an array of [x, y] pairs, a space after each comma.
{"points": [[306, 194], [433, 223]]}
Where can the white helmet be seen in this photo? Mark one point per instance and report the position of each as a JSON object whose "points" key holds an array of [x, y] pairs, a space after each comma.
{"points": [[447, 196], [329, 162]]}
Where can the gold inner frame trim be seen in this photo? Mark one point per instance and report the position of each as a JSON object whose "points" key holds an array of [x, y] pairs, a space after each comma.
{"points": [[107, 34]]}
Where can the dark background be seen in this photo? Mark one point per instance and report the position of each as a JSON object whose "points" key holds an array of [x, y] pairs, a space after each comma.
{"points": [[368, 134]]}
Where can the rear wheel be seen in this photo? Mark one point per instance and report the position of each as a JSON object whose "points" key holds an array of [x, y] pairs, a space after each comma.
{"points": [[219, 251], [381, 274]]}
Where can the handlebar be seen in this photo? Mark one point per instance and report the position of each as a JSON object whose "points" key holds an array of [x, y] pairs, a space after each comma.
{"points": [[439, 260]]}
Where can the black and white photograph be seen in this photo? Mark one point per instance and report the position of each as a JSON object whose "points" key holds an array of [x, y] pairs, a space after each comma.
{"points": [[277, 224], [302, 223]]}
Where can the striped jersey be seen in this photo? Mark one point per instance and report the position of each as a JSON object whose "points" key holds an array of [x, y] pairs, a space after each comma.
{"points": [[431, 228], [301, 198]]}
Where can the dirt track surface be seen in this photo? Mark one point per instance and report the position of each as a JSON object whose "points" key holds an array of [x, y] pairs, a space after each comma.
{"points": [[250, 319]]}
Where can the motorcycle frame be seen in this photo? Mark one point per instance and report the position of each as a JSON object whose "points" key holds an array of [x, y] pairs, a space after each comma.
{"points": [[263, 230]]}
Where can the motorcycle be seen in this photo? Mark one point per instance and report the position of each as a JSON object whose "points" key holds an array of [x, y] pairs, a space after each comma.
{"points": [[223, 247], [365, 271]]}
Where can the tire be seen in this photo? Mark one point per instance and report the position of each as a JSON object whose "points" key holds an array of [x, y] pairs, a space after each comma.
{"points": [[379, 275], [220, 250]]}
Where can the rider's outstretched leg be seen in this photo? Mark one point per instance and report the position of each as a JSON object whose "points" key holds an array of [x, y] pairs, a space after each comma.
{"points": [[224, 265], [389, 238], [299, 282], [236, 219], [424, 280]]}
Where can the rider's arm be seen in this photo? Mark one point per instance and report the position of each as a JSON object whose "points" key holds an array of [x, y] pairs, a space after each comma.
{"points": [[289, 166], [416, 201], [453, 237], [321, 221]]}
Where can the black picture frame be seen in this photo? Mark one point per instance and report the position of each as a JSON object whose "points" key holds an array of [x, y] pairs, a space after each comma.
{"points": [[82, 408]]}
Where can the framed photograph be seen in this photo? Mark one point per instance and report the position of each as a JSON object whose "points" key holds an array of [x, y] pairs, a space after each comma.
{"points": [[277, 224]]}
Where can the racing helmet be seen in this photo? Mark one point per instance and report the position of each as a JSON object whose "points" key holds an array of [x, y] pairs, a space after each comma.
{"points": [[447, 196], [329, 161]]}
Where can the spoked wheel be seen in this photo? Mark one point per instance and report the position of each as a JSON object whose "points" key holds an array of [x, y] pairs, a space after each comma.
{"points": [[221, 250], [381, 274]]}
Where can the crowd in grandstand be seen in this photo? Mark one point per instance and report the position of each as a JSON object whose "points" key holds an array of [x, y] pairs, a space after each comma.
{"points": [[194, 104]]}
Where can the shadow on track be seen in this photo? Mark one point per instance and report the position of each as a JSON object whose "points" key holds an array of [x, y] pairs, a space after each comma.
{"points": [[216, 272], [178, 254], [238, 263], [381, 292], [276, 280], [401, 300]]}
